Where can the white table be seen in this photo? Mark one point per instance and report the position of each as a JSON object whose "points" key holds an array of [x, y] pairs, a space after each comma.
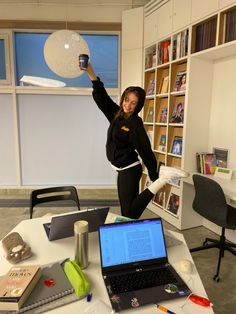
{"points": [[46, 252]]}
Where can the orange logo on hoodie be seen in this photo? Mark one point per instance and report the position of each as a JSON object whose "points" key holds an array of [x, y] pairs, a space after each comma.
{"points": [[125, 128]]}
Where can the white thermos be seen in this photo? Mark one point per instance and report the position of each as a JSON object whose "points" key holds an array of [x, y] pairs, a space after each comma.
{"points": [[81, 243]]}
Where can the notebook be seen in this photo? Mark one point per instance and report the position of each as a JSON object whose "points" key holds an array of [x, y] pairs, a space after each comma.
{"points": [[43, 294], [63, 226], [132, 254]]}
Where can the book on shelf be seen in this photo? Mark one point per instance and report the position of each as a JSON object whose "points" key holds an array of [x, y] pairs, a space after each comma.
{"points": [[177, 115], [17, 285], [150, 114], [163, 115], [229, 30], [159, 198], [162, 143], [206, 34], [164, 85], [177, 145], [164, 51], [180, 81], [180, 45], [150, 135], [173, 204], [206, 163], [151, 87]]}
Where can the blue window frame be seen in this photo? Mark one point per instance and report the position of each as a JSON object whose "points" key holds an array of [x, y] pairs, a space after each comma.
{"points": [[3, 75], [29, 58]]}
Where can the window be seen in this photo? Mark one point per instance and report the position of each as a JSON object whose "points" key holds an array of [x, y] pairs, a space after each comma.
{"points": [[29, 58], [4, 59]]}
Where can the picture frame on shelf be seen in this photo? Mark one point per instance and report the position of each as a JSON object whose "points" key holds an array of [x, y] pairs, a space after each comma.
{"points": [[222, 155], [162, 143], [177, 146], [180, 81], [173, 204], [177, 115]]}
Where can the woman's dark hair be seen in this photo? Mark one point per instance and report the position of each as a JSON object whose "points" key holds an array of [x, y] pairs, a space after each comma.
{"points": [[139, 92]]}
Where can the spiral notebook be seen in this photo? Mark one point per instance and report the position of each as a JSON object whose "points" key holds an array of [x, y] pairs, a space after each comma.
{"points": [[43, 294]]}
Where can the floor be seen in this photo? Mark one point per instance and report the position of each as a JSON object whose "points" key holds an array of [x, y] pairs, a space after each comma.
{"points": [[14, 208]]}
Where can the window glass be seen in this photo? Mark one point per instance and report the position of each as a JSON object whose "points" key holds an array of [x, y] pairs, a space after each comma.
{"points": [[103, 50], [2, 60]]}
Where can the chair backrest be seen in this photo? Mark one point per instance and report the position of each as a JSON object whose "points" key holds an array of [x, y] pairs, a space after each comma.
{"points": [[53, 194], [210, 200]]}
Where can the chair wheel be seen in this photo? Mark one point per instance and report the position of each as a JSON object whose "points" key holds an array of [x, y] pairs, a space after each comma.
{"points": [[216, 278]]}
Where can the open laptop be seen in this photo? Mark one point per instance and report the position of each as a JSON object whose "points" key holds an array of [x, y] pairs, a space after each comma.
{"points": [[63, 226], [132, 254]]}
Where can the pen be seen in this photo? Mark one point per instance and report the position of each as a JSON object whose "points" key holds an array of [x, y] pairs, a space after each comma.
{"points": [[164, 309]]}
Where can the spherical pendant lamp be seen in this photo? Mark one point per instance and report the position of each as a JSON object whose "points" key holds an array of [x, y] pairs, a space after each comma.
{"points": [[62, 50]]}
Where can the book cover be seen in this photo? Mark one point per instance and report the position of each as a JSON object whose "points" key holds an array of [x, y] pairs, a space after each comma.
{"points": [[159, 198], [178, 112], [177, 145], [173, 204], [150, 135], [150, 114], [180, 81], [164, 85], [16, 286], [163, 115], [162, 144], [151, 87]]}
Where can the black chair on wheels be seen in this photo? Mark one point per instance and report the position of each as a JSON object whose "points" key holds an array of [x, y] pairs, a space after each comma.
{"points": [[53, 194], [211, 204]]}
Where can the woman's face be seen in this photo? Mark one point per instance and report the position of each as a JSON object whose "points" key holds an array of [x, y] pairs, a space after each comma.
{"points": [[130, 102], [183, 80]]}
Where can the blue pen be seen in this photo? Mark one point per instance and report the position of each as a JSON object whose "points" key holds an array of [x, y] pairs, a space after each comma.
{"points": [[164, 309]]}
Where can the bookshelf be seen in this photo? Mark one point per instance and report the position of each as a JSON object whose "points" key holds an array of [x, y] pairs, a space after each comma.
{"points": [[199, 52]]}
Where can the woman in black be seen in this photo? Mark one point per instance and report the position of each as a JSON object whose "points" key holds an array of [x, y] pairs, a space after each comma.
{"points": [[127, 140]]}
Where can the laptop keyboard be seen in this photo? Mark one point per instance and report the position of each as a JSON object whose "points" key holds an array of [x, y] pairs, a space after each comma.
{"points": [[141, 280]]}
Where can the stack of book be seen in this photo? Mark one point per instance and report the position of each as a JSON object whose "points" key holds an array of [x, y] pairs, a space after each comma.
{"points": [[206, 163], [229, 30], [180, 45], [206, 35]]}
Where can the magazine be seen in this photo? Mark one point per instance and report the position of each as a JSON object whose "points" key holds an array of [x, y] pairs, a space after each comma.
{"points": [[173, 204], [177, 146], [163, 115], [180, 82], [162, 144], [178, 113], [159, 198]]}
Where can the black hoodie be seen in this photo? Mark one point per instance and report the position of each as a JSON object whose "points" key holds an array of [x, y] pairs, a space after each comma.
{"points": [[126, 137]]}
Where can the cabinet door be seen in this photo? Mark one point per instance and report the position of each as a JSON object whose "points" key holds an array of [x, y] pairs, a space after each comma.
{"points": [[181, 14], [164, 20], [202, 8], [225, 3], [150, 29]]}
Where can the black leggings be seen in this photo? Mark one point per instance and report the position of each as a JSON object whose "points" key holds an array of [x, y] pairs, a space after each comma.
{"points": [[132, 203]]}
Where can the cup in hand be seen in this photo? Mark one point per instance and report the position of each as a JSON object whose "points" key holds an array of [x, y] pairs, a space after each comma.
{"points": [[83, 61]]}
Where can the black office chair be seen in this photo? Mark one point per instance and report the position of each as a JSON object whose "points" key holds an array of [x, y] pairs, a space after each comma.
{"points": [[53, 194], [210, 203]]}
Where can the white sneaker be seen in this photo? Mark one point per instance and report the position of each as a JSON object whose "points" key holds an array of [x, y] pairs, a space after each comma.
{"points": [[169, 173]]}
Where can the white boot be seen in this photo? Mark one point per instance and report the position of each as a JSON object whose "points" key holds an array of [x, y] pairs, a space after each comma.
{"points": [[165, 176], [169, 173]]}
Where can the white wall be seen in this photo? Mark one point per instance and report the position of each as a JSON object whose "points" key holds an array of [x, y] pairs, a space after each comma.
{"points": [[62, 140], [223, 111]]}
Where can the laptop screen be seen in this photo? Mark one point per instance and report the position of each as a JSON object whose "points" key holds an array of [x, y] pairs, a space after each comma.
{"points": [[132, 241]]}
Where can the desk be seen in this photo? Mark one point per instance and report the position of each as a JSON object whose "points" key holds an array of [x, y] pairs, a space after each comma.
{"points": [[228, 186], [46, 252], [229, 189]]}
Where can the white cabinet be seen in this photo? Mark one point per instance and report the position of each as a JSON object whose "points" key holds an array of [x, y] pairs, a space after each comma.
{"points": [[225, 3], [150, 29], [202, 8], [164, 20], [181, 15]]}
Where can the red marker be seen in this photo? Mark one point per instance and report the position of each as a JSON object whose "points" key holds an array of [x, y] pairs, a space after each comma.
{"points": [[200, 300]]}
